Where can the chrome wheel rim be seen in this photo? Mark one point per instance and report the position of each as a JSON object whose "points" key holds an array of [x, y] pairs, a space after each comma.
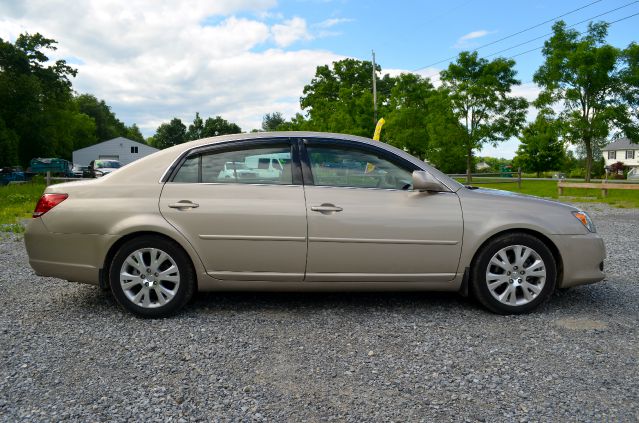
{"points": [[149, 278], [516, 275]]}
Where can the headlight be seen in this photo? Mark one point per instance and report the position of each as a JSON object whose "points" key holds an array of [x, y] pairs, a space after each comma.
{"points": [[585, 220]]}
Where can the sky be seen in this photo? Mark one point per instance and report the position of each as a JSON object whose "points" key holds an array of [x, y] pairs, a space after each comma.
{"points": [[152, 60]]}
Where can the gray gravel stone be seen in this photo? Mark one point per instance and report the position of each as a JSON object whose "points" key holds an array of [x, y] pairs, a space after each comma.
{"points": [[68, 352]]}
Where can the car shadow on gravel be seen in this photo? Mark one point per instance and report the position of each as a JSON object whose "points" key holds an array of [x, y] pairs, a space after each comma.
{"points": [[591, 298], [314, 301]]}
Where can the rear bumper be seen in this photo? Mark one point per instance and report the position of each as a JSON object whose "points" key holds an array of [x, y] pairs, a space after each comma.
{"points": [[582, 257], [74, 257]]}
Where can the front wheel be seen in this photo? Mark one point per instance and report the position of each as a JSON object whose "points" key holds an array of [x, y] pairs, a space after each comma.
{"points": [[513, 274], [151, 277]]}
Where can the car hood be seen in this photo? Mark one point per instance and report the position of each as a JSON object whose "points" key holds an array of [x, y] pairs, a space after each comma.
{"points": [[522, 198], [507, 210]]}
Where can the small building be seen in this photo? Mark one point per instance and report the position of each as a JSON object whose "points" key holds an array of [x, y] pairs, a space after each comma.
{"points": [[482, 166], [622, 150], [122, 149]]}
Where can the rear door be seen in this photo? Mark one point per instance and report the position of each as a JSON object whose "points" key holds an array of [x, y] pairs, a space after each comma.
{"points": [[245, 225]]}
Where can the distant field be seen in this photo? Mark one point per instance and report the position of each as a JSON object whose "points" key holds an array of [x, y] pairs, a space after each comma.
{"points": [[548, 189]]}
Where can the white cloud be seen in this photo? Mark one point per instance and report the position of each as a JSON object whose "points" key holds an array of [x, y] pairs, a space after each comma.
{"points": [[152, 61], [464, 40], [290, 31], [329, 23]]}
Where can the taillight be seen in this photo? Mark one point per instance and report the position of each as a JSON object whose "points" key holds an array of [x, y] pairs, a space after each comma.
{"points": [[47, 202]]}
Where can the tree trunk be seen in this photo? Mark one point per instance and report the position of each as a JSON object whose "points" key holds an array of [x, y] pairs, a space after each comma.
{"points": [[539, 173], [469, 165], [588, 145]]}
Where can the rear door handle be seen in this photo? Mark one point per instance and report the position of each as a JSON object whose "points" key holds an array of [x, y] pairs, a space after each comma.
{"points": [[184, 204], [326, 208]]}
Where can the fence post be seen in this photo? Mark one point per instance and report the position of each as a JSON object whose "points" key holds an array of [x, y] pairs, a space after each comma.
{"points": [[519, 178], [48, 182]]}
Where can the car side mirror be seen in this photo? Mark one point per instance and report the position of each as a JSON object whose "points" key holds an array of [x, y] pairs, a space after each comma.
{"points": [[424, 181]]}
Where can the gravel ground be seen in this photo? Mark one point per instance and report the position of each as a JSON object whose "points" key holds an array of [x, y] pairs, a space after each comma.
{"points": [[69, 353]]}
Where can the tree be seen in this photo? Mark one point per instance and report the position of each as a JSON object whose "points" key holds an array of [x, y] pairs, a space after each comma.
{"points": [[540, 149], [446, 150], [35, 100], [272, 121], [219, 126], [8, 146], [170, 134], [134, 133], [479, 91], [340, 98], [196, 129], [629, 123], [407, 121], [584, 75], [108, 126]]}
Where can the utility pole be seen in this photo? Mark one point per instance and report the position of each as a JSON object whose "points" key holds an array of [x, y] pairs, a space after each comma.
{"points": [[374, 89]]}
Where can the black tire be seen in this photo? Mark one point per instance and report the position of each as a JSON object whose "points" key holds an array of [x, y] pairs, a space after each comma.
{"points": [[479, 281], [183, 290]]}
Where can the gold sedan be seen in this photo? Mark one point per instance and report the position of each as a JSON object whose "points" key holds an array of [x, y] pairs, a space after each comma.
{"points": [[295, 211]]}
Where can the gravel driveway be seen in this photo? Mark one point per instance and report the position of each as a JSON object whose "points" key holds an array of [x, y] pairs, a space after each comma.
{"points": [[68, 352]]}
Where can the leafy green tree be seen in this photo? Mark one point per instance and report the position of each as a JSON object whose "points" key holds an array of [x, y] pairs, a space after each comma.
{"points": [[409, 113], [35, 98], [196, 129], [540, 149], [108, 126], [479, 91], [134, 133], [272, 121], [446, 150], [297, 123], [583, 75], [630, 91], [219, 126], [8, 146], [170, 134], [340, 99]]}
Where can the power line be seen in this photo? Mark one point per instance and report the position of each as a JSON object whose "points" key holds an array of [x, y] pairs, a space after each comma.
{"points": [[569, 26], [438, 77], [515, 34]]}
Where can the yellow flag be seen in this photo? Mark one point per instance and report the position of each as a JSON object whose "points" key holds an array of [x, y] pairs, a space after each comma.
{"points": [[378, 129], [369, 167]]}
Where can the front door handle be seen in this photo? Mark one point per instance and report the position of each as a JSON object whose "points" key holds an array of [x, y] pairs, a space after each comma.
{"points": [[326, 208], [184, 204]]}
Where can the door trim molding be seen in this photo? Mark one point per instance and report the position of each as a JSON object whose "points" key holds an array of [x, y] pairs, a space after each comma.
{"points": [[383, 241], [253, 238]]}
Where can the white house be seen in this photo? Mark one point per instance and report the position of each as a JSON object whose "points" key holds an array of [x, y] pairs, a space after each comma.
{"points": [[622, 150], [122, 149]]}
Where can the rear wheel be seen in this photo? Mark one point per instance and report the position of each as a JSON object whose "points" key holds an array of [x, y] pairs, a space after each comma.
{"points": [[514, 273], [151, 277]]}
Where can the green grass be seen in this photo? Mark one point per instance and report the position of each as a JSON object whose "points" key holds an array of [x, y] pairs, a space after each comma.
{"points": [[17, 202], [548, 189]]}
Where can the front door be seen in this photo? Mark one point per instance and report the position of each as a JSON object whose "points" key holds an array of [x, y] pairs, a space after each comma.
{"points": [[244, 225], [365, 223]]}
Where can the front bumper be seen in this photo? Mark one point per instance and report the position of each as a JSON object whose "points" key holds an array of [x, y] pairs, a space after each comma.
{"points": [[74, 257], [582, 257]]}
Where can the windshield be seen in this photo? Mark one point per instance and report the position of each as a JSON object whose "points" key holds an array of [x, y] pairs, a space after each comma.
{"points": [[111, 164]]}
